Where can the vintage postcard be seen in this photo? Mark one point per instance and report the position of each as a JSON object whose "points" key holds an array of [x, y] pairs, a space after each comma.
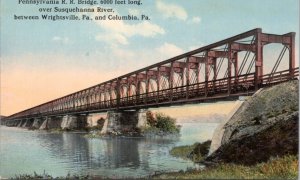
{"points": [[151, 89]]}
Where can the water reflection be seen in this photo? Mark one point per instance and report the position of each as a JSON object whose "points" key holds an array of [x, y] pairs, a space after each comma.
{"points": [[68, 147], [62, 153], [86, 154]]}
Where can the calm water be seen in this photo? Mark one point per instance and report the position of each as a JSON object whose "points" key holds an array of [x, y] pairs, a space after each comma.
{"points": [[23, 151]]}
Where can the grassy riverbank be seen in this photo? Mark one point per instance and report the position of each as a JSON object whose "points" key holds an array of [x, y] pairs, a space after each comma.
{"points": [[277, 168], [196, 152], [47, 176], [285, 167]]}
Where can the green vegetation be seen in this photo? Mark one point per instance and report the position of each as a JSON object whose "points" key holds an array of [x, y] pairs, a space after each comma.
{"points": [[160, 122], [93, 135], [47, 176], [151, 120], [276, 168], [182, 151], [166, 123], [196, 152]]}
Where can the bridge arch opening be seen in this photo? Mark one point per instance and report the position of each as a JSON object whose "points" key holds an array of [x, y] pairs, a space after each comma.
{"points": [[246, 62], [222, 71], [102, 96], [193, 76], [83, 101], [275, 53], [107, 95], [113, 94], [178, 79], [142, 89], [98, 97], [132, 90], [164, 82], [123, 91], [152, 85]]}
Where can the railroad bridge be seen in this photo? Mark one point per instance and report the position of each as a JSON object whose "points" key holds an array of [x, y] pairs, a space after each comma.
{"points": [[223, 70]]}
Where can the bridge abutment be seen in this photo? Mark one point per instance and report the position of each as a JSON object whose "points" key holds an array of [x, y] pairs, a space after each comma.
{"points": [[219, 131]]}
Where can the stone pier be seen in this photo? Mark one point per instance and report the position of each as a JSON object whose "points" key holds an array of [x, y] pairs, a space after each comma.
{"points": [[112, 121], [64, 122], [13, 123], [2, 121], [22, 123], [28, 123], [19, 124], [93, 119], [37, 123], [74, 122], [53, 122], [117, 121]]}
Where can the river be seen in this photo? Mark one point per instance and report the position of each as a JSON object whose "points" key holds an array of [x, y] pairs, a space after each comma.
{"points": [[23, 151]]}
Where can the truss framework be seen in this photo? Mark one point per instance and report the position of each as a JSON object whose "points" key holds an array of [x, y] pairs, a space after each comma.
{"points": [[195, 75]]}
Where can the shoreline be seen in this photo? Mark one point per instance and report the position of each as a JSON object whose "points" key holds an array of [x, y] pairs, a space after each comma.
{"points": [[285, 167]]}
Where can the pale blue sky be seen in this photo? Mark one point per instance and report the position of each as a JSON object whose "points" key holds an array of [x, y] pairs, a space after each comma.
{"points": [[218, 20], [47, 53]]}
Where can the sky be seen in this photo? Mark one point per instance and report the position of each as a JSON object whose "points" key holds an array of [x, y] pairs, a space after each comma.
{"points": [[43, 60]]}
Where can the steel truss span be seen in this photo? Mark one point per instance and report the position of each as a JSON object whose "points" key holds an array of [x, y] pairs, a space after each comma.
{"points": [[210, 72]]}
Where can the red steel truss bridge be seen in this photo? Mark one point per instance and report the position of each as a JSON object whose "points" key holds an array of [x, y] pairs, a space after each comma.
{"points": [[216, 71]]}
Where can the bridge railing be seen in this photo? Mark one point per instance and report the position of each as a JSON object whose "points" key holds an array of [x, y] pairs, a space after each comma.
{"points": [[278, 77], [197, 90]]}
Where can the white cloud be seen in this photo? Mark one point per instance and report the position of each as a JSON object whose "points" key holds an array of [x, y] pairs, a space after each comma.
{"points": [[112, 38], [168, 50], [171, 10], [145, 28], [64, 40], [56, 38], [195, 20], [119, 31]]}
